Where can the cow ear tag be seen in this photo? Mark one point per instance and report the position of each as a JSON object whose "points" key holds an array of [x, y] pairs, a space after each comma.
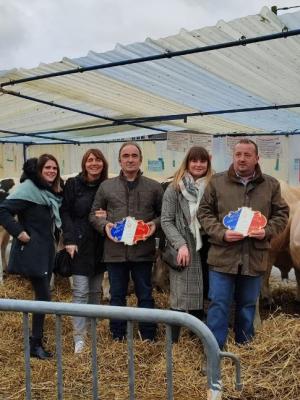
{"points": [[244, 220]]}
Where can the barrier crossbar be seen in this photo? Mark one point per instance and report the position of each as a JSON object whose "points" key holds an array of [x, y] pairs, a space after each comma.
{"points": [[211, 349]]}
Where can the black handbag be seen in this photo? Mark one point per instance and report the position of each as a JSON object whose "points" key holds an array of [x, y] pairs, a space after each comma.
{"points": [[63, 264], [169, 256]]}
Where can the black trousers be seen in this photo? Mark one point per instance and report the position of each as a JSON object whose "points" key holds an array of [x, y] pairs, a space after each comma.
{"points": [[41, 287]]}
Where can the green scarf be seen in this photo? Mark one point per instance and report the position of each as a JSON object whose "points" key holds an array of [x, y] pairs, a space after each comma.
{"points": [[30, 192]]}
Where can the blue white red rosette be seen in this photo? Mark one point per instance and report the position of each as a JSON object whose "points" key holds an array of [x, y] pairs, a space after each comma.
{"points": [[244, 220], [130, 231]]}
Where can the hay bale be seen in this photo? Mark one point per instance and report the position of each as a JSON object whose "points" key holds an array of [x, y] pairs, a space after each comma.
{"points": [[270, 364]]}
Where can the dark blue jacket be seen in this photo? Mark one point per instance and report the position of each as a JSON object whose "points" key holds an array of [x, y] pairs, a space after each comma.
{"points": [[35, 258]]}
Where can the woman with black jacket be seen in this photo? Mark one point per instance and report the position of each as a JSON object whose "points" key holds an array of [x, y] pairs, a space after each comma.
{"points": [[81, 241], [36, 203]]}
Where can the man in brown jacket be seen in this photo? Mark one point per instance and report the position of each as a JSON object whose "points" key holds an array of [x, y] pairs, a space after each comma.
{"points": [[237, 262], [129, 194]]}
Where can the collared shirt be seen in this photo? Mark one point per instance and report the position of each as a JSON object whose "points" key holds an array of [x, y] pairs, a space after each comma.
{"points": [[245, 179]]}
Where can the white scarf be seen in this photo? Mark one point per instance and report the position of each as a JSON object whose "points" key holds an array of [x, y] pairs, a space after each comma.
{"points": [[193, 191]]}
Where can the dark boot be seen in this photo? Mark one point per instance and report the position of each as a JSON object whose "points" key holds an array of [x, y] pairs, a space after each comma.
{"points": [[37, 350], [200, 314], [175, 333]]}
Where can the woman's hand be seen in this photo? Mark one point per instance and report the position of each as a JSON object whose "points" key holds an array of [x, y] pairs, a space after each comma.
{"points": [[183, 256], [71, 249], [23, 237], [108, 227], [152, 229]]}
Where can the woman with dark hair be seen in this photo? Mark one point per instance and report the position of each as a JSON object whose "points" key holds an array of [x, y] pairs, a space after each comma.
{"points": [[36, 203], [183, 231], [81, 241]]}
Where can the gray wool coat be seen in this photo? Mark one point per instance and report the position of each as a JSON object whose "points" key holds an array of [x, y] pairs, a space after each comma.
{"points": [[186, 287]]}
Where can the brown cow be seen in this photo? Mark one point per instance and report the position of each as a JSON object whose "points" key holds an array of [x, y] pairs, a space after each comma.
{"points": [[295, 245], [4, 240], [285, 248]]}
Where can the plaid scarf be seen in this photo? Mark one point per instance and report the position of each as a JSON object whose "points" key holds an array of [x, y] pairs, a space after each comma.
{"points": [[193, 191]]}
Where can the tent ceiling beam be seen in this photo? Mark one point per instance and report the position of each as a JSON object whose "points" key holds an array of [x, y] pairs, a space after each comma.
{"points": [[243, 41], [76, 110], [155, 119], [61, 141], [206, 113], [35, 135]]}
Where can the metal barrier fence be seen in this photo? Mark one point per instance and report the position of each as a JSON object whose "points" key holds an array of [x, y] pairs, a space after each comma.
{"points": [[131, 314]]}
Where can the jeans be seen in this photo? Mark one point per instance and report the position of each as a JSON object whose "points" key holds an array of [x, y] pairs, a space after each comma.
{"points": [[86, 290], [223, 289], [119, 274]]}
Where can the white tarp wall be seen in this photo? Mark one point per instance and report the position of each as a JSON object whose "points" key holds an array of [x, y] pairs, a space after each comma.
{"points": [[11, 160], [279, 156]]}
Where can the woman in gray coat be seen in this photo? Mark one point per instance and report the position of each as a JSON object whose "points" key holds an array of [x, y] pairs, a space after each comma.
{"points": [[183, 232]]}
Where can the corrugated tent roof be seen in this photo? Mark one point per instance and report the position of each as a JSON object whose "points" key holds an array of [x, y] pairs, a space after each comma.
{"points": [[256, 75]]}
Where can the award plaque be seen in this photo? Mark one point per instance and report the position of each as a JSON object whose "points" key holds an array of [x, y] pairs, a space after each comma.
{"points": [[244, 220], [130, 231]]}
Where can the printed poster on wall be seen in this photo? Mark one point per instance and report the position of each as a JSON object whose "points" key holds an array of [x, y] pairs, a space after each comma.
{"points": [[231, 141], [156, 165], [297, 168], [182, 141], [177, 141], [269, 146], [198, 139]]}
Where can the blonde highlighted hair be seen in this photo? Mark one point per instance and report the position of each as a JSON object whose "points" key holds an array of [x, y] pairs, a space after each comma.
{"points": [[195, 153]]}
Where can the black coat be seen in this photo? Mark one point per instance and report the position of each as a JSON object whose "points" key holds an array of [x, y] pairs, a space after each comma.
{"points": [[35, 258], [77, 202]]}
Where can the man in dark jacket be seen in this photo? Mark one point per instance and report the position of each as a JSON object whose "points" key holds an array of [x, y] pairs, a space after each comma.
{"points": [[129, 195], [237, 261]]}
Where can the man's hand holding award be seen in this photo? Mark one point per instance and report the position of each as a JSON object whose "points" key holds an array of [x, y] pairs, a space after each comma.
{"points": [[244, 222], [129, 231]]}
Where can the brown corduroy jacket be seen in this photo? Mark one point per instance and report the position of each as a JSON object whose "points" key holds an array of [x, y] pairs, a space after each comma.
{"points": [[226, 193]]}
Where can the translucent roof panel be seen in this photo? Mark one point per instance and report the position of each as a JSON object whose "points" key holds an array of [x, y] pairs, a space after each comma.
{"points": [[256, 75]]}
